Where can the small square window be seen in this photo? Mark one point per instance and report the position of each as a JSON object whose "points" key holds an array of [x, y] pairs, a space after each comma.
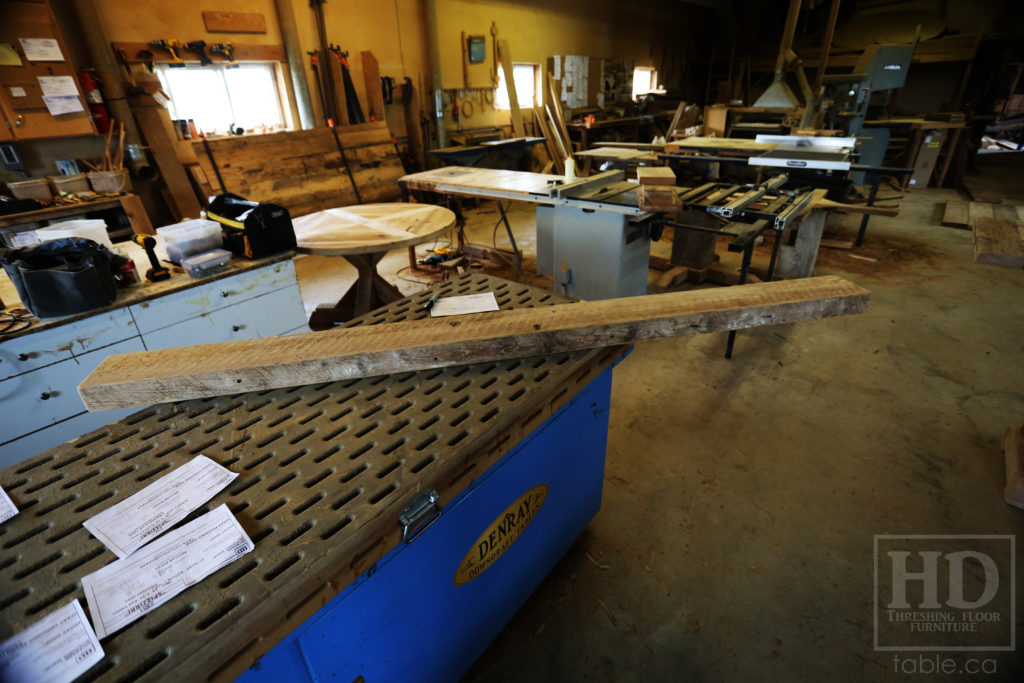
{"points": [[526, 77], [215, 97]]}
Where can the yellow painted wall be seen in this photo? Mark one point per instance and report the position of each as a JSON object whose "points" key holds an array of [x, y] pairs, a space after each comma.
{"points": [[395, 31]]}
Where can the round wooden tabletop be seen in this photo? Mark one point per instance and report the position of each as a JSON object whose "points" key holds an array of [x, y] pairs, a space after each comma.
{"points": [[370, 228]]}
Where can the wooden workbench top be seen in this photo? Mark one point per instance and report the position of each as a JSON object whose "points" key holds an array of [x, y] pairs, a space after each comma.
{"points": [[487, 179]]}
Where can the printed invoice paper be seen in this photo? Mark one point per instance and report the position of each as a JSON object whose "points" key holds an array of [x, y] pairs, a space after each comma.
{"points": [[126, 589], [138, 519], [58, 648], [7, 507]]}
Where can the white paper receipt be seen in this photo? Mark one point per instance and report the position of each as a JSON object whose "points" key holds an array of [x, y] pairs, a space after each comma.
{"points": [[138, 519], [58, 648], [127, 589], [461, 305], [7, 507]]}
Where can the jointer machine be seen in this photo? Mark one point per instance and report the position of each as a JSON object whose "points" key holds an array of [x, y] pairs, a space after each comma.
{"points": [[594, 234]]}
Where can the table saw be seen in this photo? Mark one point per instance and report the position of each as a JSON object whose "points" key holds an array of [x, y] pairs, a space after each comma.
{"points": [[592, 237], [332, 478]]}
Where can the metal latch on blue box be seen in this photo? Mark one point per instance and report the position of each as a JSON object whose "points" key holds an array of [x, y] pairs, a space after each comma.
{"points": [[424, 510]]}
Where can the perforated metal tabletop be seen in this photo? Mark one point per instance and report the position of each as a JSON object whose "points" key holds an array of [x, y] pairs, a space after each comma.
{"points": [[324, 471]]}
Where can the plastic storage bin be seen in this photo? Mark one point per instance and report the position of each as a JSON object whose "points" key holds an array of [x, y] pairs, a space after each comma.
{"points": [[91, 229], [182, 240], [70, 184], [37, 188], [110, 181], [207, 263]]}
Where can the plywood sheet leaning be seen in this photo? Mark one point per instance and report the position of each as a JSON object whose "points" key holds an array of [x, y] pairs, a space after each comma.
{"points": [[303, 170], [955, 215], [999, 242], [150, 377]]}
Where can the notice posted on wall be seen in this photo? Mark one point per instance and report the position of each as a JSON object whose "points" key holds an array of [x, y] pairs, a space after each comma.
{"points": [[41, 49], [58, 648], [62, 104]]}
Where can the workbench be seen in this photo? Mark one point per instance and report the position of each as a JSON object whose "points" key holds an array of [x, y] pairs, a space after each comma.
{"points": [[130, 204], [330, 590], [41, 365], [626, 127]]}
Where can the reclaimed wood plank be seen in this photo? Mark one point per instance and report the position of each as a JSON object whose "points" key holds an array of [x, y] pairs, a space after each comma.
{"points": [[956, 215], [997, 242], [234, 22], [655, 175], [978, 210], [123, 380]]}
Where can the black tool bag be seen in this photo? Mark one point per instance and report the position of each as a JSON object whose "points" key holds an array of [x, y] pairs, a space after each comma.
{"points": [[63, 277], [251, 229]]}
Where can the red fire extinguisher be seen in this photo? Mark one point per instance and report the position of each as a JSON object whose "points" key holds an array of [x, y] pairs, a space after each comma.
{"points": [[95, 101]]}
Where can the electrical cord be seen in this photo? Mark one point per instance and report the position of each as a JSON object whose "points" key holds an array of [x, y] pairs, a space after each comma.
{"points": [[12, 322]]}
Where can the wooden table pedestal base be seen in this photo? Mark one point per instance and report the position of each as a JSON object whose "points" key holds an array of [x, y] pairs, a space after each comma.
{"points": [[368, 292]]}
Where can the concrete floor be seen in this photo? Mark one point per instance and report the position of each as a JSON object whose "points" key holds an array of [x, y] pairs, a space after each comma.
{"points": [[735, 540]]}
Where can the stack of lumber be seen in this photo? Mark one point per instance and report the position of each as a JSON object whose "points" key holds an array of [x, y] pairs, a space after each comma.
{"points": [[303, 171], [656, 188]]}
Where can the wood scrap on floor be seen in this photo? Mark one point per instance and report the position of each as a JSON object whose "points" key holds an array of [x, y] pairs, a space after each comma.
{"points": [[836, 244], [136, 379], [976, 210], [956, 215], [999, 242], [303, 170], [1013, 455]]}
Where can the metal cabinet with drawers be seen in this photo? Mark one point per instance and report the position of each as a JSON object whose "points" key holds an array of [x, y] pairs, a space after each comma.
{"points": [[40, 372]]}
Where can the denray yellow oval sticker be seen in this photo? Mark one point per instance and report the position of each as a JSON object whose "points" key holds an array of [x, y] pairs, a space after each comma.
{"points": [[501, 534]]}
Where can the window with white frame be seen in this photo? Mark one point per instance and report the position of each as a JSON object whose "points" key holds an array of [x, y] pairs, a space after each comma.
{"points": [[645, 80], [526, 78], [215, 97]]}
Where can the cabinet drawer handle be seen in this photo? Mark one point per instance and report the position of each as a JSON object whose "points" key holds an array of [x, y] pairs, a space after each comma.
{"points": [[46, 395], [225, 293], [23, 356], [236, 328]]}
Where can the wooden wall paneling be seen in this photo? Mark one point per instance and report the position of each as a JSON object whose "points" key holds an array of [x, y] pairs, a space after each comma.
{"points": [[302, 170]]}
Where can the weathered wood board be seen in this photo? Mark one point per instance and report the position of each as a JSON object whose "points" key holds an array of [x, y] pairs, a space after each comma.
{"points": [[303, 170], [124, 380], [976, 210], [956, 215], [999, 242]]}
